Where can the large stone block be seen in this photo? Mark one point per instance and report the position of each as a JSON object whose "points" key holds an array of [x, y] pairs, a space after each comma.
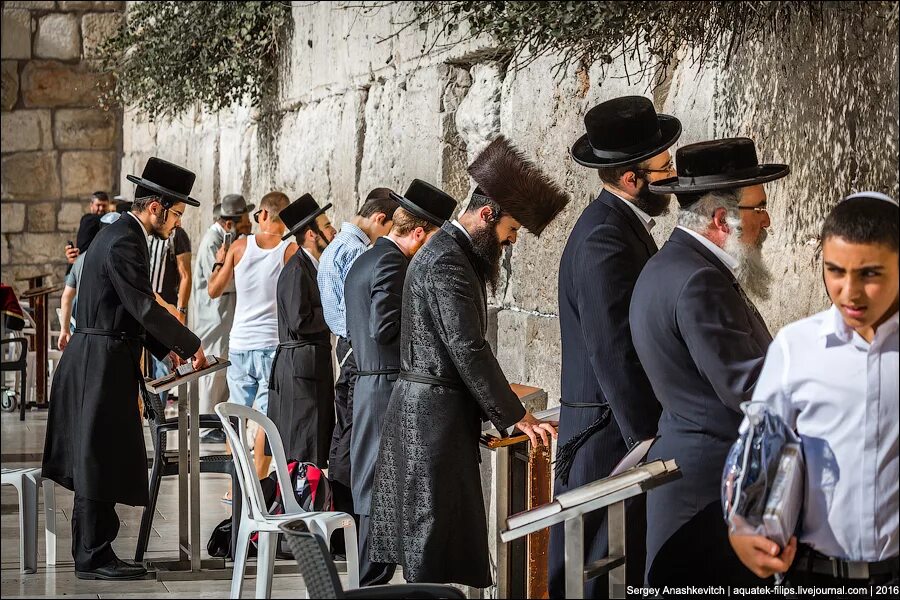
{"points": [[78, 5], [138, 133], [69, 216], [30, 176], [35, 5], [58, 37], [37, 248], [13, 216], [16, 42], [84, 129], [529, 350], [24, 130], [51, 84], [84, 172], [96, 28], [10, 83], [42, 217]]}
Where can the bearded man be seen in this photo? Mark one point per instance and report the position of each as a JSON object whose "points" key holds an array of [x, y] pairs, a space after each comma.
{"points": [[702, 344], [607, 404], [427, 511], [95, 439]]}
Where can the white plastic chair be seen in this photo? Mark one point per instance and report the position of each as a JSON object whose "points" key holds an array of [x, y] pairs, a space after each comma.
{"points": [[255, 516], [26, 481]]}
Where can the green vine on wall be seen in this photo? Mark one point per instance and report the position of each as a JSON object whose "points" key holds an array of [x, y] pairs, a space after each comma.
{"points": [[654, 33], [172, 56]]}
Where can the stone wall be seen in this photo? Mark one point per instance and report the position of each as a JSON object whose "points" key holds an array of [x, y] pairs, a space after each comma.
{"points": [[359, 109], [57, 146]]}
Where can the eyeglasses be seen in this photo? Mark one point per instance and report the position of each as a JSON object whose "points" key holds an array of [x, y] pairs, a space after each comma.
{"points": [[757, 209], [256, 215], [668, 168]]}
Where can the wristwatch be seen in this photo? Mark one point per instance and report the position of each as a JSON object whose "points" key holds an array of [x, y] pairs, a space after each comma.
{"points": [[217, 265], [182, 310]]}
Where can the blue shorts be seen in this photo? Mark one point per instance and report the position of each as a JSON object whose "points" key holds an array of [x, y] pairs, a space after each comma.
{"points": [[248, 377]]}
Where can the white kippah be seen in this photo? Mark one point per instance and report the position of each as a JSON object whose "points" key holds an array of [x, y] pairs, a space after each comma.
{"points": [[110, 217], [876, 195]]}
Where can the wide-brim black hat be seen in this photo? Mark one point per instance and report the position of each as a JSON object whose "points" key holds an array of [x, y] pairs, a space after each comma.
{"points": [[169, 181], [425, 201], [300, 213], [624, 131], [504, 175], [718, 165]]}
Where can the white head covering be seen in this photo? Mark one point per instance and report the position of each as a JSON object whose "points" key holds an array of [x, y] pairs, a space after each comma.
{"points": [[110, 218], [876, 195]]}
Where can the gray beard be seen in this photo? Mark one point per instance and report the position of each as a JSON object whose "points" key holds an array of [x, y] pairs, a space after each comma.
{"points": [[751, 271]]}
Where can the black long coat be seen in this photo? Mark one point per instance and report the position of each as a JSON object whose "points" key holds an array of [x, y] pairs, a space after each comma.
{"points": [[95, 439], [301, 389], [702, 344], [427, 504], [373, 292], [601, 373]]}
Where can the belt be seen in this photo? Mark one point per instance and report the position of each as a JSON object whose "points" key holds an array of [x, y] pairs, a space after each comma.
{"points": [[815, 562], [583, 404], [378, 372], [301, 343], [431, 380], [109, 333]]}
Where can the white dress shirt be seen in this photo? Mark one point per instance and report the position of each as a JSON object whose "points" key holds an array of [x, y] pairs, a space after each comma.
{"points": [[840, 393], [646, 219], [461, 228], [315, 261], [144, 229], [727, 259]]}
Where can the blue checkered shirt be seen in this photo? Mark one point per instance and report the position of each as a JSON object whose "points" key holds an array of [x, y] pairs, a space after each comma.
{"points": [[334, 264]]}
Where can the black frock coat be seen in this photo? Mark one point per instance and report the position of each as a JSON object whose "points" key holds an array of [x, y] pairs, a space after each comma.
{"points": [[301, 386], [373, 292], [95, 438], [427, 512]]}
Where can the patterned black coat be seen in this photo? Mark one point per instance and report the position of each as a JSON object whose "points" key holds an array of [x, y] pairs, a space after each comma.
{"points": [[427, 504], [95, 438]]}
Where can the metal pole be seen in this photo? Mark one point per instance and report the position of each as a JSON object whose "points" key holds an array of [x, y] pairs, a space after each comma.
{"points": [[183, 541], [575, 557], [194, 437], [501, 485], [616, 518]]}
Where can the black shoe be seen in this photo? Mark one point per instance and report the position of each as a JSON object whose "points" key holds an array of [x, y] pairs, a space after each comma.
{"points": [[213, 436], [115, 569]]}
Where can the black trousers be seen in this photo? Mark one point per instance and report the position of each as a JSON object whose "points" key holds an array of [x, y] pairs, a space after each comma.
{"points": [[339, 455], [343, 502], [95, 525], [371, 573]]}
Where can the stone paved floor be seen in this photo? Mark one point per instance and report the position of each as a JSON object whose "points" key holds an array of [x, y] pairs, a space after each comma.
{"points": [[22, 444]]}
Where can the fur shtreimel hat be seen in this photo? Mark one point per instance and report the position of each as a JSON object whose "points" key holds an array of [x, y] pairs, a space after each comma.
{"points": [[515, 183]]}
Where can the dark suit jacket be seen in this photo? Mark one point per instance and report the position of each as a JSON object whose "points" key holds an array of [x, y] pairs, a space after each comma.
{"points": [[95, 437], [603, 257], [373, 292], [702, 344]]}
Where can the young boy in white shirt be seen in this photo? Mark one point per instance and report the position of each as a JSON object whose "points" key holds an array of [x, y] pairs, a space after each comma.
{"points": [[833, 377]]}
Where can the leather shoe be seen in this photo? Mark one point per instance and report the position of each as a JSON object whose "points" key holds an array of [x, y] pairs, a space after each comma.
{"points": [[213, 436], [116, 569]]}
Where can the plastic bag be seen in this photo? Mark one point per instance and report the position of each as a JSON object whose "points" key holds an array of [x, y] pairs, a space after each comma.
{"points": [[762, 484]]}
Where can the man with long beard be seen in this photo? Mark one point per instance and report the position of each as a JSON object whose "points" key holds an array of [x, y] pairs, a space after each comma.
{"points": [[702, 344], [607, 403], [427, 512]]}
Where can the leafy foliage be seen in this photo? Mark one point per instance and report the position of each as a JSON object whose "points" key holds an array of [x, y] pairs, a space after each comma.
{"points": [[652, 32], [171, 56]]}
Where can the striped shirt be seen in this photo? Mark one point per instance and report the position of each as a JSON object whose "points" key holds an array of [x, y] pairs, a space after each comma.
{"points": [[164, 276], [334, 264]]}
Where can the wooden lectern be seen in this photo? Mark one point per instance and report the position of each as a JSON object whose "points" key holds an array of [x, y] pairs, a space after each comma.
{"points": [[37, 294]]}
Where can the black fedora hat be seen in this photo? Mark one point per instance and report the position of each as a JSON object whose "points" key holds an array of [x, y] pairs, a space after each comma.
{"points": [[299, 213], [171, 182], [624, 131], [718, 165], [234, 205], [426, 202]]}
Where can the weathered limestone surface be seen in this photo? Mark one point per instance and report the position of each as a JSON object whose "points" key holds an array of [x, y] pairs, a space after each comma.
{"points": [[26, 130], [13, 217], [58, 37], [55, 84], [10, 84], [96, 28], [30, 176], [85, 129], [16, 42], [83, 172]]}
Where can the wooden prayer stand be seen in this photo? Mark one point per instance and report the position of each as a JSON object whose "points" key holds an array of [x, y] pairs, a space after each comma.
{"points": [[521, 482], [36, 294]]}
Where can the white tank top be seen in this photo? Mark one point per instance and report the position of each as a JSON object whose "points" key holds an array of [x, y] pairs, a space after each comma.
{"points": [[256, 281]]}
